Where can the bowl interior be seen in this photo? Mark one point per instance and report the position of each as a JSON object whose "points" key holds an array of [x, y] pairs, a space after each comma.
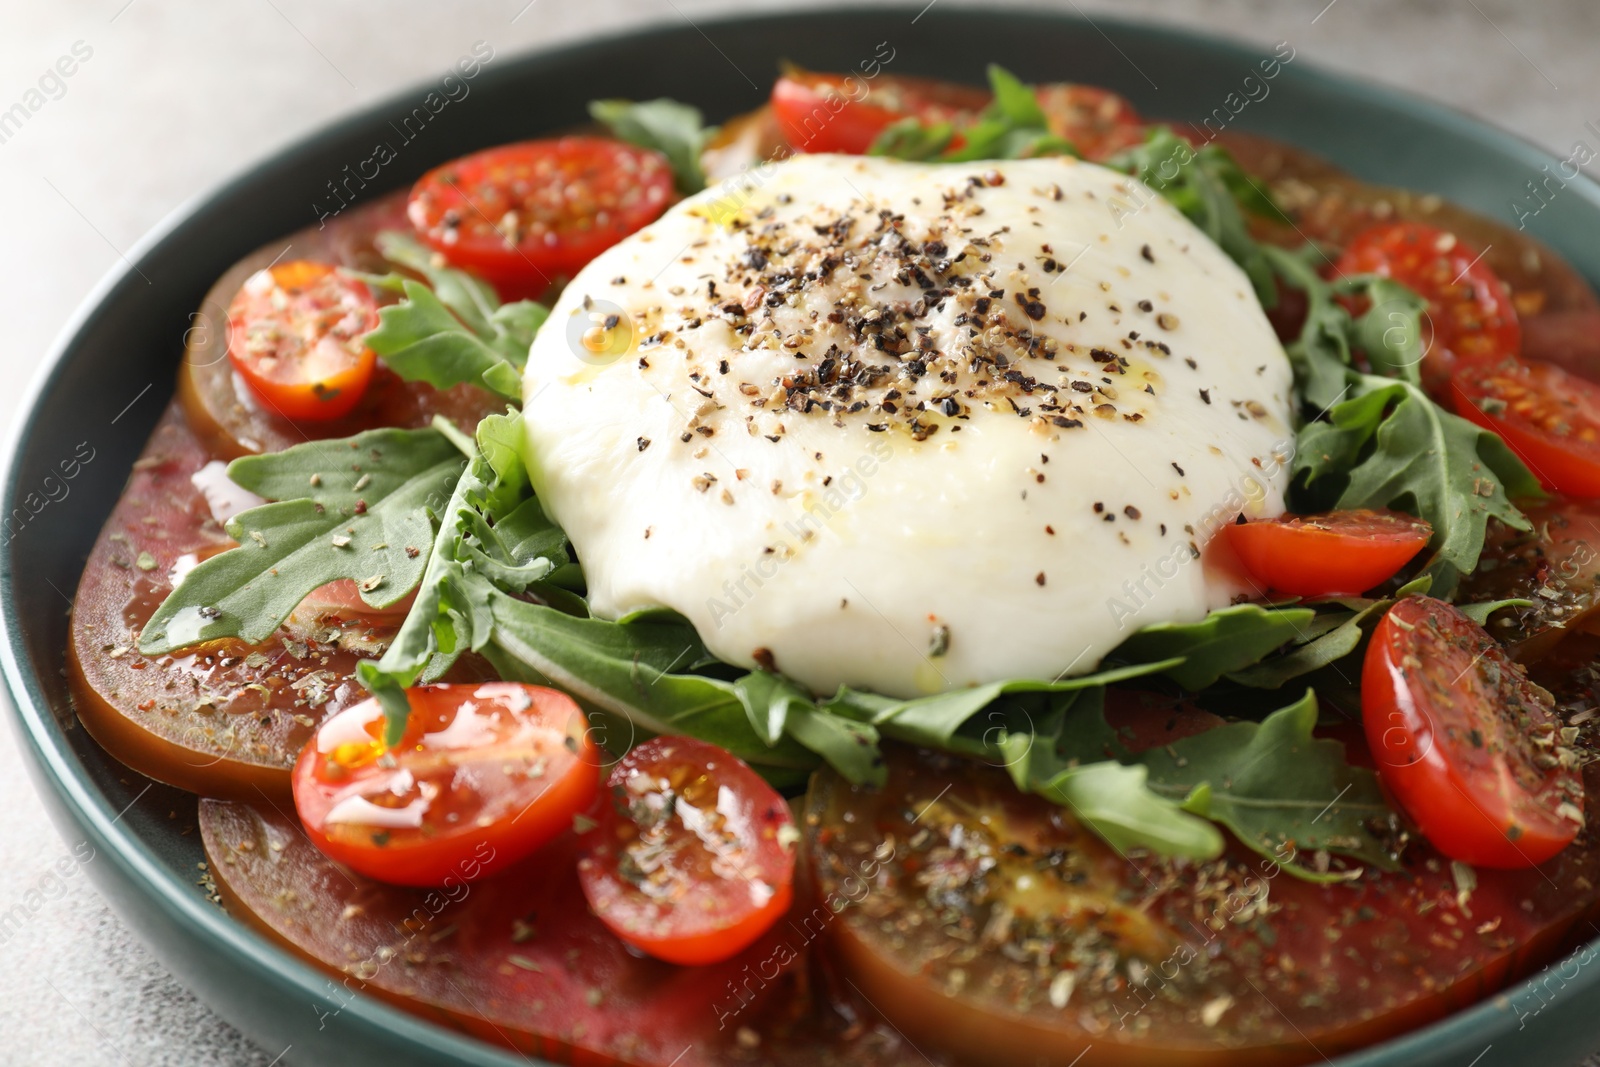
{"points": [[112, 373]]}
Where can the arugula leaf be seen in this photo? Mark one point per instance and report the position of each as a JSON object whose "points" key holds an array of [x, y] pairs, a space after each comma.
{"points": [[1013, 127], [676, 130], [1201, 185], [355, 508], [1391, 446], [1118, 802], [453, 329], [910, 139], [1226, 640], [1276, 787]]}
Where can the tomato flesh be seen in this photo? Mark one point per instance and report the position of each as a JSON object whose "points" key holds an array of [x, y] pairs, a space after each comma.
{"points": [[296, 334], [524, 215], [1470, 316], [1468, 747], [846, 113], [692, 857], [1340, 553], [1097, 122], [1548, 416], [498, 764]]}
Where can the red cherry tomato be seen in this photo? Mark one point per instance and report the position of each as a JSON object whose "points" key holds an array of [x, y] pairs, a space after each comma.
{"points": [[296, 336], [692, 858], [1340, 553], [1548, 416], [1467, 746], [846, 112], [1470, 316], [523, 215], [1098, 122], [484, 775]]}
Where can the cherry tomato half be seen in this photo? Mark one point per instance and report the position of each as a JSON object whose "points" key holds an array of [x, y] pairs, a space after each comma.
{"points": [[1548, 416], [1470, 315], [1466, 745], [1098, 122], [846, 113], [296, 335], [692, 857], [484, 775], [523, 215], [1340, 553]]}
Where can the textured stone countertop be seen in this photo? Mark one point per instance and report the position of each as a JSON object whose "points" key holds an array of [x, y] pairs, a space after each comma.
{"points": [[173, 97]]}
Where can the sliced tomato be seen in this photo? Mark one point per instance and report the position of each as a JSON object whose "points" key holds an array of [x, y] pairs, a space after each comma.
{"points": [[1470, 315], [1339, 553], [497, 766], [692, 857], [846, 113], [296, 335], [525, 215], [1098, 122], [1548, 416], [1467, 746]]}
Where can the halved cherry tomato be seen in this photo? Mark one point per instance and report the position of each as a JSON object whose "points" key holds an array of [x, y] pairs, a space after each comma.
{"points": [[1467, 746], [500, 765], [846, 113], [1548, 416], [692, 857], [1470, 316], [297, 336], [1338, 553], [523, 215], [1098, 122]]}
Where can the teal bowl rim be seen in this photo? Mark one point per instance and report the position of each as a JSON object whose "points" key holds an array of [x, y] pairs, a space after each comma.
{"points": [[60, 775]]}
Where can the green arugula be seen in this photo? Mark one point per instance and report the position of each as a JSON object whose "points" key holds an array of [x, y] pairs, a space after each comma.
{"points": [[1014, 126], [676, 130], [357, 508], [1226, 640], [451, 329]]}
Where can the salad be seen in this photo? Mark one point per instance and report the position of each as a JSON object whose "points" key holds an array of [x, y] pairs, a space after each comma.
{"points": [[919, 572]]}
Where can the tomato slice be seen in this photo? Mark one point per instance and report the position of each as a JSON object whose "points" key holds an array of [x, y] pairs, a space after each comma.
{"points": [[295, 335], [1339, 553], [846, 113], [692, 858], [1468, 747], [1098, 122], [524, 215], [501, 765], [1548, 416], [1470, 315]]}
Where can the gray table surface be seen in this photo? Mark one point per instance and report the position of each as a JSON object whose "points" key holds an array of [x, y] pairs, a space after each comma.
{"points": [[174, 97]]}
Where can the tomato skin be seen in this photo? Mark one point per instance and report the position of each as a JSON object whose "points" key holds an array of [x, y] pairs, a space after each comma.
{"points": [[295, 335], [1464, 743], [1470, 316], [846, 113], [688, 889], [1548, 416], [1341, 553], [1098, 122], [498, 766], [527, 214]]}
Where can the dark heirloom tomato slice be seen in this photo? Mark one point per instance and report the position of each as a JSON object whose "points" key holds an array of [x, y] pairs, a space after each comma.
{"points": [[497, 765], [1470, 316], [990, 925], [692, 857], [523, 215], [297, 334], [515, 959], [1098, 122], [1467, 745], [225, 719], [1555, 565], [1549, 418], [846, 112], [228, 416], [1334, 554], [1569, 339]]}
